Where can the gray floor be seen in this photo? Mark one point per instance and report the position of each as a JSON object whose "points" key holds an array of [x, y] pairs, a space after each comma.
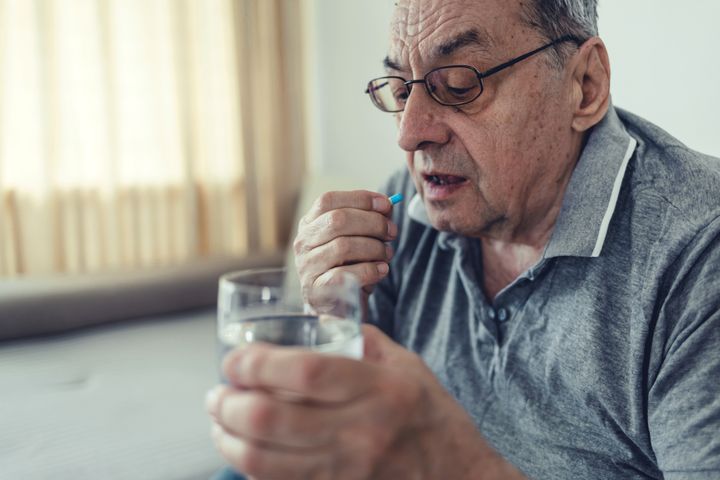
{"points": [[122, 401]]}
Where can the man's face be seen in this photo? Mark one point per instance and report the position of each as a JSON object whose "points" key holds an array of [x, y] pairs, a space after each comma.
{"points": [[495, 166]]}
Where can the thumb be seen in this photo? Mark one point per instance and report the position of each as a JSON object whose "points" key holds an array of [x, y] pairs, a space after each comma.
{"points": [[378, 347]]}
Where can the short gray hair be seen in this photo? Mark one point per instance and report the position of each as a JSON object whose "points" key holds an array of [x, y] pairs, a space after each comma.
{"points": [[557, 18]]}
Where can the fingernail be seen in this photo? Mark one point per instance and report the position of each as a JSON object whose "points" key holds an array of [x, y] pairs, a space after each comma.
{"points": [[383, 268], [380, 204], [392, 229], [211, 399], [389, 252]]}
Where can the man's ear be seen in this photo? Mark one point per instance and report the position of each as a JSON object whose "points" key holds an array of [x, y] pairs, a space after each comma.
{"points": [[590, 84]]}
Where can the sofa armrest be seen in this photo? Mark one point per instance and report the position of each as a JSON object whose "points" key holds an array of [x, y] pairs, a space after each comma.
{"points": [[37, 306]]}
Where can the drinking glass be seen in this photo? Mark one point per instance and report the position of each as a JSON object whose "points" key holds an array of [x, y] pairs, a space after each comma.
{"points": [[263, 306]]}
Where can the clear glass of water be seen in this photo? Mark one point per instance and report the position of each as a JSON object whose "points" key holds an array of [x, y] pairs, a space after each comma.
{"points": [[262, 306]]}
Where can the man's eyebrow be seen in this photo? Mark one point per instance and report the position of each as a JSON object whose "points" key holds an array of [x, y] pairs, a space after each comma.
{"points": [[473, 37], [469, 37], [391, 64]]}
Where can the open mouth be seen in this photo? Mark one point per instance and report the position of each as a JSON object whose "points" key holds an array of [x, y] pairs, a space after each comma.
{"points": [[443, 180]]}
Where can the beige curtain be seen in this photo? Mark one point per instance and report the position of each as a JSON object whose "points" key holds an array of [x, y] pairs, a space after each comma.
{"points": [[146, 132]]}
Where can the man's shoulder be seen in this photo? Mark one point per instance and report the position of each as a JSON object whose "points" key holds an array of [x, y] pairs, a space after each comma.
{"points": [[670, 176]]}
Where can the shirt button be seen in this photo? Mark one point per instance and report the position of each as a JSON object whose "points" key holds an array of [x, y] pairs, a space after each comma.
{"points": [[502, 314], [491, 313]]}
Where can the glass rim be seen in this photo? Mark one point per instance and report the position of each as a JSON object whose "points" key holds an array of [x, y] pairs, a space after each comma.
{"points": [[229, 277], [233, 279]]}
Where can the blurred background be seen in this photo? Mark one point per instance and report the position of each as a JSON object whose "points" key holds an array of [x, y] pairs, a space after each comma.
{"points": [[150, 132]]}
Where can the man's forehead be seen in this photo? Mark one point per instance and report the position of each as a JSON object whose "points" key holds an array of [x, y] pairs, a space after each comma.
{"points": [[445, 46], [438, 28]]}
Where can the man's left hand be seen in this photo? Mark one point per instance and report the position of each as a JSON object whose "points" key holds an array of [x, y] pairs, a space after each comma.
{"points": [[294, 414]]}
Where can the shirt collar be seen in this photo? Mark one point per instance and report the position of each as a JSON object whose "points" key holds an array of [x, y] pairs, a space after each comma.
{"points": [[590, 198], [593, 190]]}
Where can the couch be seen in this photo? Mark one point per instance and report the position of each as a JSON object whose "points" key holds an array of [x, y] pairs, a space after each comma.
{"points": [[103, 376]]}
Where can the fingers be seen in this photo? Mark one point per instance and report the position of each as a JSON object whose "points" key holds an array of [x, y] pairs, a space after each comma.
{"points": [[343, 222], [375, 344], [358, 199], [259, 460], [309, 375], [381, 350], [296, 414], [344, 250], [345, 232], [340, 252], [268, 435], [276, 421], [367, 273]]}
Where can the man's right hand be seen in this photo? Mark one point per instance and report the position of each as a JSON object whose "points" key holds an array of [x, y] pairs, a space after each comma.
{"points": [[345, 232]]}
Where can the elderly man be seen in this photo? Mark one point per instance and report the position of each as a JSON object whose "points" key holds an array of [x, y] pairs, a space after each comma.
{"points": [[551, 288]]}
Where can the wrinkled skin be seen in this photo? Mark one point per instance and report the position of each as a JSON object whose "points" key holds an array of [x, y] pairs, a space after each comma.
{"points": [[514, 144], [295, 414], [292, 414]]}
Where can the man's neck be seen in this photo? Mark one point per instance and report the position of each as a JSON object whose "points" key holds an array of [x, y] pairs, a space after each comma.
{"points": [[508, 252], [503, 262]]}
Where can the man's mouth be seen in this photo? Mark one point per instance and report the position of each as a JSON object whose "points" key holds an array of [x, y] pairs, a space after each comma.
{"points": [[442, 186], [442, 180]]}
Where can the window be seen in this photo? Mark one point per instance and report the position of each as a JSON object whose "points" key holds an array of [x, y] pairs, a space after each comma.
{"points": [[142, 132]]}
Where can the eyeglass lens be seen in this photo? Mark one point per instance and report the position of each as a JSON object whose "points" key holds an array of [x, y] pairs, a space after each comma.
{"points": [[454, 85]]}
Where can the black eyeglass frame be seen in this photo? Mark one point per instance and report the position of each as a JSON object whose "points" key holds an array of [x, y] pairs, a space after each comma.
{"points": [[480, 75]]}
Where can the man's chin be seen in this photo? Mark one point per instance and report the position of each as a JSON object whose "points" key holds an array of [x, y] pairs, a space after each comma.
{"points": [[455, 219], [442, 217]]}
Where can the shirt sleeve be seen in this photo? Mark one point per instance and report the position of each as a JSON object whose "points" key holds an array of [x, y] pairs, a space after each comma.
{"points": [[381, 303], [684, 397], [381, 307]]}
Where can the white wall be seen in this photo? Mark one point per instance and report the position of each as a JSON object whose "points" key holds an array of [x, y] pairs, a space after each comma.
{"points": [[348, 136], [665, 59]]}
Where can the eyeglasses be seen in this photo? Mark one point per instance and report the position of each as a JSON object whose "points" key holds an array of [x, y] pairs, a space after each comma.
{"points": [[451, 85]]}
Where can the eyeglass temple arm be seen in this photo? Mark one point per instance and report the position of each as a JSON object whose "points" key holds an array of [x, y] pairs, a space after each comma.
{"points": [[367, 90], [502, 66]]}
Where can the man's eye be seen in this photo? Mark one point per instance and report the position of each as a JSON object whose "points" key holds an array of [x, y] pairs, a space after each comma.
{"points": [[400, 94], [459, 91]]}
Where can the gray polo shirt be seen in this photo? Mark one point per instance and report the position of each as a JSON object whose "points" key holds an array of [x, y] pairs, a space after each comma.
{"points": [[603, 359]]}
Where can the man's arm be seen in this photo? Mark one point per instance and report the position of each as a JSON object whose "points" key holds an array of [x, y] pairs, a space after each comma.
{"points": [[684, 395], [295, 414]]}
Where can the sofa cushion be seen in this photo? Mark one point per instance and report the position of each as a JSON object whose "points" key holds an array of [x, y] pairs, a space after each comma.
{"points": [[36, 306], [117, 401]]}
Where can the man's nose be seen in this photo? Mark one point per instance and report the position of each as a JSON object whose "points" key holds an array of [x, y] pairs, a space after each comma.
{"points": [[422, 121]]}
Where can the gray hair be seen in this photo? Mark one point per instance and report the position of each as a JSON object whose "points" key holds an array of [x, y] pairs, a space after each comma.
{"points": [[556, 18]]}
